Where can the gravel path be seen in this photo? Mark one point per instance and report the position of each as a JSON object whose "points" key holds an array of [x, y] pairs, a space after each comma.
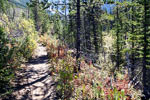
{"points": [[35, 81]]}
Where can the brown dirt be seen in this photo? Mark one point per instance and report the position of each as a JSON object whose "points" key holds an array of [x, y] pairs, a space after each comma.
{"points": [[34, 82]]}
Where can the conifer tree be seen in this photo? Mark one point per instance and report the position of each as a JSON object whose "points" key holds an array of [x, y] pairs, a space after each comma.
{"points": [[38, 11], [78, 34], [146, 47]]}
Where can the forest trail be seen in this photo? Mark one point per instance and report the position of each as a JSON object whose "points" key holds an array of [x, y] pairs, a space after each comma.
{"points": [[35, 81]]}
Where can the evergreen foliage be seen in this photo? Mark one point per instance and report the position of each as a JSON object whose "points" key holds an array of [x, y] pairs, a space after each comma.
{"points": [[89, 48]]}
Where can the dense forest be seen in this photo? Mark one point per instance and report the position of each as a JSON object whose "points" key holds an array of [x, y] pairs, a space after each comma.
{"points": [[74, 49]]}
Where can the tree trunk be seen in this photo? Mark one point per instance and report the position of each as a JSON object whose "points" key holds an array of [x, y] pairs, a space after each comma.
{"points": [[118, 50], [133, 55], [35, 11], [88, 35], [146, 25], [95, 32], [78, 35]]}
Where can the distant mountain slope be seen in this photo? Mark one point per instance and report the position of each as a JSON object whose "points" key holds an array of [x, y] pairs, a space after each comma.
{"points": [[23, 2], [19, 2]]}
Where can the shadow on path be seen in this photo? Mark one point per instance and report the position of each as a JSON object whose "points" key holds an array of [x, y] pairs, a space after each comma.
{"points": [[34, 81], [39, 60], [19, 87]]}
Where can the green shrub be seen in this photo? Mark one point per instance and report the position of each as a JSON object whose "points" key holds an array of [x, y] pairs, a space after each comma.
{"points": [[28, 46], [65, 78], [26, 41], [6, 71], [14, 51], [29, 40]]}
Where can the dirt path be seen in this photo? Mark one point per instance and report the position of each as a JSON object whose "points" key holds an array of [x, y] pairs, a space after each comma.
{"points": [[34, 81]]}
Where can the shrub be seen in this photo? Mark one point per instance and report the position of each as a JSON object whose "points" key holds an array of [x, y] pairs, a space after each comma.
{"points": [[94, 84], [23, 34], [6, 71], [30, 38], [14, 50], [28, 46], [90, 83], [55, 49], [65, 72], [63, 65]]}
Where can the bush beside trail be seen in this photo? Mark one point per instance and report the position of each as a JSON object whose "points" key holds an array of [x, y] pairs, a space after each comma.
{"points": [[89, 83], [14, 50]]}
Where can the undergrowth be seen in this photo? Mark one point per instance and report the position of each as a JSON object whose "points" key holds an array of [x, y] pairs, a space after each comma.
{"points": [[88, 84], [14, 50]]}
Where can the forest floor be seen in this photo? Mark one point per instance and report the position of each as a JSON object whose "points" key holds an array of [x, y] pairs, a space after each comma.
{"points": [[34, 81]]}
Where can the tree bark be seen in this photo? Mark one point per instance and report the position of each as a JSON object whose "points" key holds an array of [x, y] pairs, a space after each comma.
{"points": [[118, 50], [133, 45], [95, 32], [146, 24], [78, 35]]}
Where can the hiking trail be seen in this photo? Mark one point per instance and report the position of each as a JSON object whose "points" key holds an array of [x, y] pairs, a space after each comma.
{"points": [[35, 81]]}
